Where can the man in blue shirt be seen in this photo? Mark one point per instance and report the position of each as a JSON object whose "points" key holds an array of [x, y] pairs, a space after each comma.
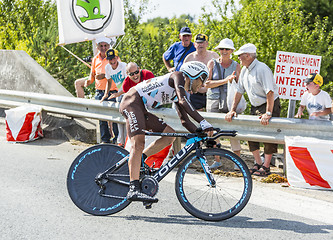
{"points": [[179, 50]]}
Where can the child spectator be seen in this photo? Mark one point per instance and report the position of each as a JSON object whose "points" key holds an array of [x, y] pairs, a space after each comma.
{"points": [[317, 101], [115, 73]]}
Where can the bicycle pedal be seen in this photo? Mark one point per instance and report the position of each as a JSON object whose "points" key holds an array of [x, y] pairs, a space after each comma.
{"points": [[147, 205]]}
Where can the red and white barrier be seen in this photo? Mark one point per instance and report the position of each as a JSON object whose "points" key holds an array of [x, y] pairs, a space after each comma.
{"points": [[155, 160], [309, 162], [23, 123]]}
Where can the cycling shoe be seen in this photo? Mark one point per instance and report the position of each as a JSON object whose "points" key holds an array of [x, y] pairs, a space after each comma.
{"points": [[136, 195]]}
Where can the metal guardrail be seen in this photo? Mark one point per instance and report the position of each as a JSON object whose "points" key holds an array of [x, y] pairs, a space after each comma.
{"points": [[248, 127]]}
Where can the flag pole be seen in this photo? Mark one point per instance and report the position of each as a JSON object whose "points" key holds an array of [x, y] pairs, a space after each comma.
{"points": [[119, 41], [76, 57]]}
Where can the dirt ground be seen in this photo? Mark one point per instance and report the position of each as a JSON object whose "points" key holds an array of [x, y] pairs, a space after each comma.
{"points": [[277, 174], [247, 156]]}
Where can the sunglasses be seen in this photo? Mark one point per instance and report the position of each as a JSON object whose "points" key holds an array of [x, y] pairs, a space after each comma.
{"points": [[133, 73], [227, 49], [203, 77]]}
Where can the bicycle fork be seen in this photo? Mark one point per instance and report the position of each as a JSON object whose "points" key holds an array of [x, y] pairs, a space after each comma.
{"points": [[205, 167]]}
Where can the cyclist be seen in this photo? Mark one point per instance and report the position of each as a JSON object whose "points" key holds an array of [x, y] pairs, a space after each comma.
{"points": [[172, 87]]}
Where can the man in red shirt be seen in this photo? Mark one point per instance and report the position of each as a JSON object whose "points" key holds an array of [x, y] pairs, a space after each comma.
{"points": [[135, 75]]}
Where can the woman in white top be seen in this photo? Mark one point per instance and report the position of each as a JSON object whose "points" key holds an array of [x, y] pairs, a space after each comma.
{"points": [[222, 71]]}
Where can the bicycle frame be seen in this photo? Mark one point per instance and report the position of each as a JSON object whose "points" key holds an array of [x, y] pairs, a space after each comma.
{"points": [[193, 143]]}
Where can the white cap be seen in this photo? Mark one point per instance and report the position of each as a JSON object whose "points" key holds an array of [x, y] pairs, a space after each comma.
{"points": [[226, 43], [103, 39], [247, 48]]}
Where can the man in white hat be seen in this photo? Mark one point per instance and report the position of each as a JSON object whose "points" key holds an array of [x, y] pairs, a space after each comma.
{"points": [[98, 64], [256, 78], [97, 74], [81, 83]]}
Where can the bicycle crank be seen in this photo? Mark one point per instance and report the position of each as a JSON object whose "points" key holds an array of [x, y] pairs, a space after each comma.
{"points": [[149, 186]]}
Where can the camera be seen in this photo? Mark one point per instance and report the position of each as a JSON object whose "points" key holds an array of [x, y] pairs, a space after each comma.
{"points": [[87, 59]]}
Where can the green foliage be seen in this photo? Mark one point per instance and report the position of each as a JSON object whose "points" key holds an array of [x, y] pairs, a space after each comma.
{"points": [[145, 43], [31, 25], [145, 47], [157, 22], [328, 88], [320, 8]]}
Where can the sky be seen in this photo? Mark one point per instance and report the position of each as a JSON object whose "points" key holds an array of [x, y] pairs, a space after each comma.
{"points": [[171, 8]]}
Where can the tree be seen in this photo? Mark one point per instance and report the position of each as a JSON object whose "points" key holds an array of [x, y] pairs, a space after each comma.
{"points": [[145, 43], [157, 22], [321, 8]]}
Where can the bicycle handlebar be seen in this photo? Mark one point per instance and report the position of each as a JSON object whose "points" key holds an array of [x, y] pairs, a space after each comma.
{"points": [[220, 133], [199, 133], [186, 135]]}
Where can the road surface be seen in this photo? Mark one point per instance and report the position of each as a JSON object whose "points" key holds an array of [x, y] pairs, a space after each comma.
{"points": [[35, 205]]}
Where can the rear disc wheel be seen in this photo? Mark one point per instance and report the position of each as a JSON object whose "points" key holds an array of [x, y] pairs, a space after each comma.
{"points": [[83, 189]]}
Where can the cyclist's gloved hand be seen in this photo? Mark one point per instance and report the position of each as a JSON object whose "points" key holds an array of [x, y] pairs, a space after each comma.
{"points": [[206, 126], [200, 133]]}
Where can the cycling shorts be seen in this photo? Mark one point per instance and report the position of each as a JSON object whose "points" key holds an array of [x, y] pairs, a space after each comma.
{"points": [[137, 117]]}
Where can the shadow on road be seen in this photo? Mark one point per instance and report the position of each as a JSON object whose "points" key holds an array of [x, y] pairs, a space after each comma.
{"points": [[237, 222], [42, 142]]}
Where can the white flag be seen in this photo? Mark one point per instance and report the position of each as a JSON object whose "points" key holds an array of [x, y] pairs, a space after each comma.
{"points": [[83, 20]]}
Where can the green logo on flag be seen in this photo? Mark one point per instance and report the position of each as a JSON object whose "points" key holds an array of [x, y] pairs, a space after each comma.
{"points": [[92, 8], [92, 16]]}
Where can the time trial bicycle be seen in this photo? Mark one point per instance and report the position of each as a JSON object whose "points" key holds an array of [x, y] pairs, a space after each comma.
{"points": [[98, 179]]}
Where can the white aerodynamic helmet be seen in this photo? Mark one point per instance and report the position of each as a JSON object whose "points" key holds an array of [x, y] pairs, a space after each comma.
{"points": [[194, 70]]}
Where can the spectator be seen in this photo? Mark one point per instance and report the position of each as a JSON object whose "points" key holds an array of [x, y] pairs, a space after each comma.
{"points": [[203, 55], [256, 78], [179, 50], [79, 83], [221, 71], [97, 74], [135, 75], [115, 71], [317, 101]]}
